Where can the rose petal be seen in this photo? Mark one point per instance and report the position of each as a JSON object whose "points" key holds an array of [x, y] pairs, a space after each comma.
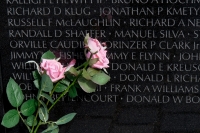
{"points": [[53, 68], [99, 52], [93, 45], [71, 64]]}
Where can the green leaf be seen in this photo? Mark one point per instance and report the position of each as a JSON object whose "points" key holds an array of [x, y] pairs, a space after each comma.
{"points": [[10, 119], [70, 76], [54, 131], [65, 82], [65, 119], [60, 87], [87, 85], [46, 83], [73, 71], [100, 78], [43, 114], [50, 128], [92, 71], [30, 121], [48, 55], [29, 107], [47, 97], [37, 78], [73, 92], [93, 61], [43, 104], [86, 75], [36, 75], [14, 93], [37, 83], [76, 84]]}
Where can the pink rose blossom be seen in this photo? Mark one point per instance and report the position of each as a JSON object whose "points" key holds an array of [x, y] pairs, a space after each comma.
{"points": [[99, 52], [54, 69], [94, 45], [71, 64]]}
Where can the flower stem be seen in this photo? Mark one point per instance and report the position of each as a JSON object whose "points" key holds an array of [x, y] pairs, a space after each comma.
{"points": [[67, 89], [35, 131], [85, 64], [29, 129], [35, 117], [82, 65], [52, 92], [38, 99]]}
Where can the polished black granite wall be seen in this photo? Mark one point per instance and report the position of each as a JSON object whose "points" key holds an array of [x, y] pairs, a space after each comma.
{"points": [[120, 106]]}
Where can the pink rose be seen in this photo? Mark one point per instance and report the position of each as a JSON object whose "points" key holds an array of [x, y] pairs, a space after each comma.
{"points": [[54, 68], [95, 46]]}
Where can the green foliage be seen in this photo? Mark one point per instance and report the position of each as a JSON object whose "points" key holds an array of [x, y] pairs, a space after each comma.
{"points": [[87, 85], [100, 78], [47, 97], [65, 119], [73, 71], [86, 75], [46, 83], [29, 107], [65, 82], [36, 75], [93, 61], [37, 78], [51, 128], [54, 131], [73, 92], [43, 114], [92, 71], [10, 119], [77, 85], [70, 76], [30, 121], [60, 87], [37, 83], [43, 104], [14, 93], [82, 76], [48, 55]]}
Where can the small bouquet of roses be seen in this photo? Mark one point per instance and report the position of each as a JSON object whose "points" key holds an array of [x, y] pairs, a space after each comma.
{"points": [[52, 77]]}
